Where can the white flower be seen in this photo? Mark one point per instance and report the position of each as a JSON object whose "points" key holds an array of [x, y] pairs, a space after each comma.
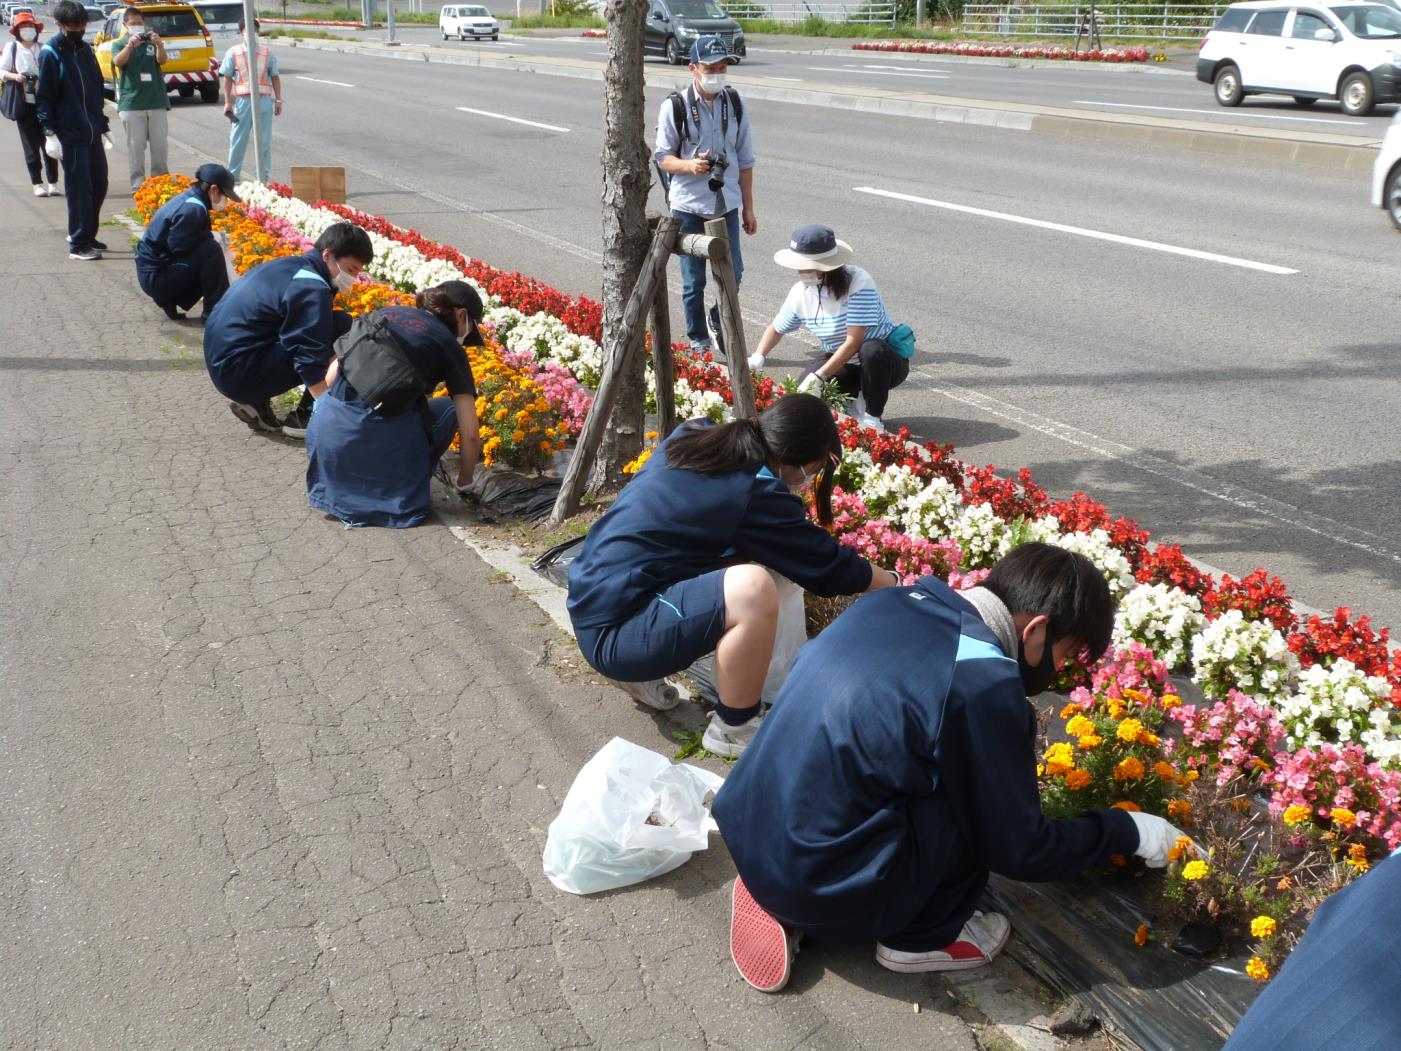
{"points": [[981, 535], [1108, 559], [881, 491], [695, 405], [1251, 656], [1340, 704], [1163, 618], [931, 512]]}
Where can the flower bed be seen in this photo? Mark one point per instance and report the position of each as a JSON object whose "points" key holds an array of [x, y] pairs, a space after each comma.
{"points": [[1293, 758], [958, 47]]}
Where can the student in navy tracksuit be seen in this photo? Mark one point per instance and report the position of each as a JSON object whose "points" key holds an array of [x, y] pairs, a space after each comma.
{"points": [[675, 569], [69, 103], [898, 768], [274, 328], [178, 262], [365, 468]]}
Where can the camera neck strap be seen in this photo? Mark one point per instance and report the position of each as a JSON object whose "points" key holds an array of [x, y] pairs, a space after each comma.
{"points": [[724, 112]]}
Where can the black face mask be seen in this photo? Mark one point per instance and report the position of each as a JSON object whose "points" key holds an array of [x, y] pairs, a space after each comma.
{"points": [[75, 36], [1037, 679]]}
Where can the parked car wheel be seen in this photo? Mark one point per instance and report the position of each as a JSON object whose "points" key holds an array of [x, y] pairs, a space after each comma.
{"points": [[1391, 196], [462, 36], [1304, 101], [1356, 94], [495, 37], [445, 34], [673, 51], [187, 91], [209, 92], [1228, 89]]}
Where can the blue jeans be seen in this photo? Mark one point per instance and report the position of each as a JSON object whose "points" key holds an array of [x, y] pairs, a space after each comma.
{"points": [[693, 272]]}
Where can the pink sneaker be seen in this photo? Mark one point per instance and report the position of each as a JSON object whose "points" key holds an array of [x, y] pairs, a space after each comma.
{"points": [[761, 947], [982, 938]]}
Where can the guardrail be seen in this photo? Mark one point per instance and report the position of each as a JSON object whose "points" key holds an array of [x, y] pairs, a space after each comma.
{"points": [[877, 13], [1186, 23]]}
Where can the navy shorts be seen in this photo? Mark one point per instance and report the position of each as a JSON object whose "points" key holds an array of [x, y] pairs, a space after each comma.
{"points": [[669, 634]]}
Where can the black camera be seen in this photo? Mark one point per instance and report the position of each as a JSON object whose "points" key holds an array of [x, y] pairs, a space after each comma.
{"points": [[717, 172], [140, 38]]}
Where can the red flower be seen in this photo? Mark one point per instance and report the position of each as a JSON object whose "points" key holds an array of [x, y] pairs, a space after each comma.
{"points": [[1259, 595], [1166, 564], [1340, 638]]}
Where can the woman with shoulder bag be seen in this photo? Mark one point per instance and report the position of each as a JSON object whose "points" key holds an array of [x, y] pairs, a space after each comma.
{"points": [[19, 72], [863, 350]]}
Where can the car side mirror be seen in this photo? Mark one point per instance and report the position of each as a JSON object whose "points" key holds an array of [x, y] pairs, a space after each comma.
{"points": [[658, 16], [1330, 35]]}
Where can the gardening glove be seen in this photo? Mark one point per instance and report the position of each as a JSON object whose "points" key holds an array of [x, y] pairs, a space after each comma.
{"points": [[52, 147], [810, 384], [107, 141], [1156, 837], [756, 361]]}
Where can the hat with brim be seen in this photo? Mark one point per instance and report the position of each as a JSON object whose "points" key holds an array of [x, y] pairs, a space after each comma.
{"points": [[218, 175], [814, 247], [24, 18], [464, 297]]}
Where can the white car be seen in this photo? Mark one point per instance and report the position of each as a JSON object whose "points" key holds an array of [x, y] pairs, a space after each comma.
{"points": [[467, 22], [1345, 51], [1386, 173], [220, 17]]}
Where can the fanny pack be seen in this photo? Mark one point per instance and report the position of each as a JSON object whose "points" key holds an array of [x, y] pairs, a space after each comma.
{"points": [[902, 341]]}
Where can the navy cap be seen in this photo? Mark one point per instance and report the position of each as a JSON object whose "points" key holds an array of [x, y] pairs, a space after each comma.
{"points": [[708, 49], [218, 175]]}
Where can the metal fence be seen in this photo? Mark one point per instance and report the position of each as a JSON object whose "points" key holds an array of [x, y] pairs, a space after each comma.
{"points": [[877, 13], [1186, 23]]}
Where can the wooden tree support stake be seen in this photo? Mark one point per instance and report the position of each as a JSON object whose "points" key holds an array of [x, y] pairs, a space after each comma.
{"points": [[736, 352], [663, 363]]}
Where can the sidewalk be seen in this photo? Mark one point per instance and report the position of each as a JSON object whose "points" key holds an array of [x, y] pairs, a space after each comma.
{"points": [[274, 783]]}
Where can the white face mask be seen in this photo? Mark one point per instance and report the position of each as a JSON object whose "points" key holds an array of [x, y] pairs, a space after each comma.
{"points": [[810, 280], [343, 281], [711, 83], [221, 204], [29, 35]]}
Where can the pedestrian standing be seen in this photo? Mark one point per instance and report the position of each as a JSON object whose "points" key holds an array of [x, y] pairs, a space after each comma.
{"points": [[75, 127], [20, 65], [704, 150], [143, 103], [239, 79]]}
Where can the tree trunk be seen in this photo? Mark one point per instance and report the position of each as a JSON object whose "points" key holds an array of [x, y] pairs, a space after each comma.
{"points": [[627, 177]]}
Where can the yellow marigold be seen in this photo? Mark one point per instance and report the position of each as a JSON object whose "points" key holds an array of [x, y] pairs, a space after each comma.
{"points": [[1171, 701], [1149, 740], [1069, 710], [1195, 870], [1136, 696], [1192, 775], [1130, 769], [1078, 779], [1165, 770], [1116, 708], [1128, 805], [1079, 726], [1140, 936], [1130, 730], [1343, 818], [1060, 759], [1357, 858], [1255, 967], [1090, 742], [1296, 815], [1179, 807], [1263, 927]]}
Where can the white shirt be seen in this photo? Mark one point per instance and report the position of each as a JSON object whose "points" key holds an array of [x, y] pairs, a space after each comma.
{"points": [[828, 318], [20, 57], [730, 139]]}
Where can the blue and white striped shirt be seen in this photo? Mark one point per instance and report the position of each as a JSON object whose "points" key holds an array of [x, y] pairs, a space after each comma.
{"points": [[828, 318]]}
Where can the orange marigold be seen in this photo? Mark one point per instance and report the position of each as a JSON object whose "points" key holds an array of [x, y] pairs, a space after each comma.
{"points": [[1128, 805], [1140, 936], [1078, 779], [1129, 769]]}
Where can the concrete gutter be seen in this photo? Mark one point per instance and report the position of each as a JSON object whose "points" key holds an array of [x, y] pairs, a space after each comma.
{"points": [[1324, 149]]}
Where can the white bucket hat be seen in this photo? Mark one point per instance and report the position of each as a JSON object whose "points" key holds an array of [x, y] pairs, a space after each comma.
{"points": [[814, 247]]}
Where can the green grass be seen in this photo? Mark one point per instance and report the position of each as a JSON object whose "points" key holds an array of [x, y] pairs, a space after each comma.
{"points": [[691, 747], [301, 34], [558, 22], [818, 27]]}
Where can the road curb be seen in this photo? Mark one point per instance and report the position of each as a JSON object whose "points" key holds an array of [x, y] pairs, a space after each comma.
{"points": [[1318, 148]]}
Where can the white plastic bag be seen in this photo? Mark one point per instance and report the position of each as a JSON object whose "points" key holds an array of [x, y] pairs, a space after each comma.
{"points": [[603, 839], [223, 239], [792, 633]]}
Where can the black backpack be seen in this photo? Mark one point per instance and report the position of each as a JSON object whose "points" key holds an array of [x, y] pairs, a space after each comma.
{"points": [[683, 126], [377, 367]]}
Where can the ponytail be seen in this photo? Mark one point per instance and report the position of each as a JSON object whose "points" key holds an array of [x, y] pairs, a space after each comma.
{"points": [[794, 431]]}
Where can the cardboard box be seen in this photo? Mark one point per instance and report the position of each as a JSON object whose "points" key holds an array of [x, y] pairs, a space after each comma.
{"points": [[319, 184]]}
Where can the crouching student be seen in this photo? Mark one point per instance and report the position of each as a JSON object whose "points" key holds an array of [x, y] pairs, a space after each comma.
{"points": [[676, 568], [897, 769], [275, 326], [178, 261], [367, 468]]}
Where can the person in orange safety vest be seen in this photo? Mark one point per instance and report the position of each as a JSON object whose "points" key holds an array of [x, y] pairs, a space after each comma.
{"points": [[239, 88]]}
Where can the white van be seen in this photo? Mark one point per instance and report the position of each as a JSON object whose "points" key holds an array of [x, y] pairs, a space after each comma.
{"points": [[220, 17], [468, 22], [1345, 51]]}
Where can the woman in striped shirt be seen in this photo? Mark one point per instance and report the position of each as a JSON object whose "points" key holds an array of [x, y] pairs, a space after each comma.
{"points": [[840, 305]]}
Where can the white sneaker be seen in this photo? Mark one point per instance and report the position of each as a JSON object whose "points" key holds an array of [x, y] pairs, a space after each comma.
{"points": [[40, 190], [658, 693], [730, 741], [982, 938], [873, 422], [54, 191]]}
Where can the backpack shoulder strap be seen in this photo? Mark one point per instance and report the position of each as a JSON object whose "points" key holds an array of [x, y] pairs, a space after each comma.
{"points": [[678, 116], [737, 104]]}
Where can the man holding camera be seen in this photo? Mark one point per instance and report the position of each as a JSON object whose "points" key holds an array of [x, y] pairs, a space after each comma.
{"points": [[142, 99], [703, 149]]}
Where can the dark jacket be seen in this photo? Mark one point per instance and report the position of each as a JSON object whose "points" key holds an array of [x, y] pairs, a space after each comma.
{"points": [[670, 525], [899, 755], [69, 96], [280, 308], [179, 227]]}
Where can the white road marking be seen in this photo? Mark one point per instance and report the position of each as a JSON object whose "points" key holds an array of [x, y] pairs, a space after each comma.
{"points": [[795, 80], [1081, 231], [875, 73], [333, 83], [1237, 112], [905, 69], [513, 120]]}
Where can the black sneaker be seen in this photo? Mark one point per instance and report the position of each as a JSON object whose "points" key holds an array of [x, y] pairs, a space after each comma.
{"points": [[95, 243], [171, 312], [86, 255], [716, 330], [259, 417], [295, 423]]}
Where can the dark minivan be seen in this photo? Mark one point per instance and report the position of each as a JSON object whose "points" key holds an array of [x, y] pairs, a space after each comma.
{"points": [[673, 25]]}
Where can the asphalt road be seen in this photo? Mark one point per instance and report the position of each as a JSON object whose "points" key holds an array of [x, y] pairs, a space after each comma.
{"points": [[1242, 407], [1169, 91]]}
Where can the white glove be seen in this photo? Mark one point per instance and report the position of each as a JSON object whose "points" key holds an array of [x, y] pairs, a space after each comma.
{"points": [[1156, 837], [53, 147], [756, 361], [810, 384], [107, 141]]}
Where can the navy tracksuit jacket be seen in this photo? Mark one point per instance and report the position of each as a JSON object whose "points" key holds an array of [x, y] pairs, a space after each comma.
{"points": [[178, 261], [899, 756]]}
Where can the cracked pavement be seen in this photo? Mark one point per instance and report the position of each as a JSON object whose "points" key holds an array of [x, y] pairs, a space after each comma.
{"points": [[271, 783]]}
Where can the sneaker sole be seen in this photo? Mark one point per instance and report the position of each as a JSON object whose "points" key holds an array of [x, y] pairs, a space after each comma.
{"points": [[720, 747], [922, 967], [250, 416], [759, 945], [659, 694], [293, 432]]}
